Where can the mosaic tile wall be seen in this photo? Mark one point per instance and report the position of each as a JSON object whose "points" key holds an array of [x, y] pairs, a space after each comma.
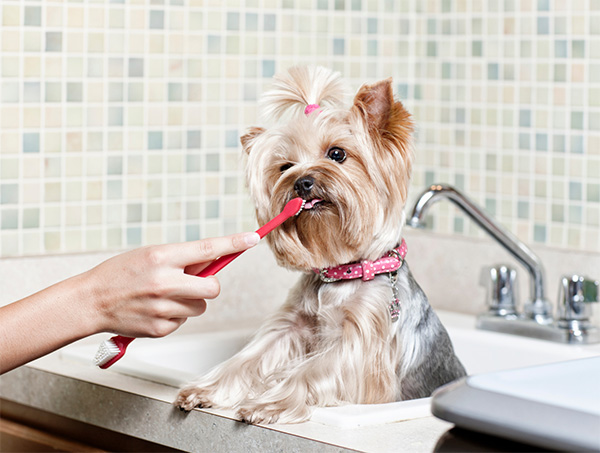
{"points": [[120, 119]]}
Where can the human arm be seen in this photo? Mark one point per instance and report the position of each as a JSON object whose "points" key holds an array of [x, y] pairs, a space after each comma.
{"points": [[146, 292]]}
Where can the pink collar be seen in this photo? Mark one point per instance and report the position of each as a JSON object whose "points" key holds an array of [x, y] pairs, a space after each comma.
{"points": [[366, 270]]}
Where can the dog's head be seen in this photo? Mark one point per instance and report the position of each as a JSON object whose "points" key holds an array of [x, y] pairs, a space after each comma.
{"points": [[351, 165]]}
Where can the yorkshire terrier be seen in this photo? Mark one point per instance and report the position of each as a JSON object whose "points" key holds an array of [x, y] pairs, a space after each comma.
{"points": [[356, 328]]}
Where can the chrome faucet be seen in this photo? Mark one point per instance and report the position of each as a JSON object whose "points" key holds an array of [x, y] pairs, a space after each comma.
{"points": [[536, 319]]}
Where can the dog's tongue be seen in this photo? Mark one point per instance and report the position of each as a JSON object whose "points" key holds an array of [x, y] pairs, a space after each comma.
{"points": [[311, 203]]}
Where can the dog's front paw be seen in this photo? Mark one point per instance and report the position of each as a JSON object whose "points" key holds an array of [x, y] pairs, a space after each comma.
{"points": [[257, 413], [191, 397]]}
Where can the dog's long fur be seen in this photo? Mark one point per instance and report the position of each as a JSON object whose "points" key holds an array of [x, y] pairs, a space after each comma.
{"points": [[332, 343]]}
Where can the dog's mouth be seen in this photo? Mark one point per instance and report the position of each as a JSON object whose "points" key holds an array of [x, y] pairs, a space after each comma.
{"points": [[311, 204]]}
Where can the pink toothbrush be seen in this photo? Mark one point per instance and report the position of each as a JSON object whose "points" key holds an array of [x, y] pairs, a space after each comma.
{"points": [[111, 350]]}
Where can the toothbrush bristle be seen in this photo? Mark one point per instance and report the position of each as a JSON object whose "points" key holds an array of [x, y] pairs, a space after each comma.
{"points": [[301, 207]]}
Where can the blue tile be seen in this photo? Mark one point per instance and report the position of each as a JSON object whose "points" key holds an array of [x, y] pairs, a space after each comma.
{"points": [[251, 22], [577, 120], [523, 210], [213, 162], [114, 189], [213, 44], [593, 193], [490, 206], [212, 209], [33, 16], [559, 144], [231, 138], [578, 49], [31, 218], [543, 26], [115, 116], [10, 219], [575, 191], [560, 72], [193, 139], [32, 92], [402, 90], [268, 68], [577, 144], [459, 224], [541, 142], [524, 141], [539, 233], [429, 178], [31, 142], [372, 25], [269, 22], [431, 26], [431, 49], [53, 41], [493, 71], [560, 48], [339, 46], [524, 118], [575, 215], [155, 140], [192, 232], [9, 193], [543, 5], [157, 19], [446, 70], [134, 236], [175, 92], [233, 21], [372, 49]]}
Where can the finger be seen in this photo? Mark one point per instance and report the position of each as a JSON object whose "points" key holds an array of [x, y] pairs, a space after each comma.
{"points": [[190, 287], [206, 250]]}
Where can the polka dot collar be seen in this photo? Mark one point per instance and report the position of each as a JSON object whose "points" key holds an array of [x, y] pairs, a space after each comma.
{"points": [[365, 270]]}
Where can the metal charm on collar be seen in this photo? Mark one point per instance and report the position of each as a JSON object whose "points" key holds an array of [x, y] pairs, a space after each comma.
{"points": [[394, 306]]}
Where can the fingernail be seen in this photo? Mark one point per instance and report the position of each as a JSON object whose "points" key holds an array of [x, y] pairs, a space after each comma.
{"points": [[251, 239]]}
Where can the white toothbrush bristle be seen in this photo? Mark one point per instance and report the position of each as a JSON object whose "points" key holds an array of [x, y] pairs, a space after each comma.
{"points": [[301, 207], [106, 351]]}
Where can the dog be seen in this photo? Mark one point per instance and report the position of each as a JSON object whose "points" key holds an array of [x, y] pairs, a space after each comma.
{"points": [[372, 338]]}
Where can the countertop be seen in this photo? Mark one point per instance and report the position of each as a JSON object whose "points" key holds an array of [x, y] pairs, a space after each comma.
{"points": [[144, 410]]}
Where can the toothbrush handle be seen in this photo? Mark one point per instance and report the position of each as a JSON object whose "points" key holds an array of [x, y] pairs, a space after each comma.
{"points": [[223, 261]]}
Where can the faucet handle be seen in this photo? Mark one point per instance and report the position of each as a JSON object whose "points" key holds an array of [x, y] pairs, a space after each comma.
{"points": [[501, 283], [575, 295]]}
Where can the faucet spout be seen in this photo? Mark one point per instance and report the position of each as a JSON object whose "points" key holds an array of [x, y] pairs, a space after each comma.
{"points": [[537, 308]]}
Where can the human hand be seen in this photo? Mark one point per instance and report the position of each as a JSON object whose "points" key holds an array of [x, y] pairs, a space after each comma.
{"points": [[151, 291]]}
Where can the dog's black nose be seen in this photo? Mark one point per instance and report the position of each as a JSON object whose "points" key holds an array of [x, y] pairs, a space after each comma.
{"points": [[304, 185]]}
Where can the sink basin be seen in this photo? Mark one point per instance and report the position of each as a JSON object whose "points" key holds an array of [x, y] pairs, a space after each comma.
{"points": [[177, 359]]}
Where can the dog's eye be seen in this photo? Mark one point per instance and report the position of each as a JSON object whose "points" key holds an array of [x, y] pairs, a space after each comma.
{"points": [[285, 167], [336, 154]]}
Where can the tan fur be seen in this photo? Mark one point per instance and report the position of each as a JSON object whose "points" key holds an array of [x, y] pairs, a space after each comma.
{"points": [[330, 344]]}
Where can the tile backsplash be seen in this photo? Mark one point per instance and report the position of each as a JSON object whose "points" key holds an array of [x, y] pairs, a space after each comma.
{"points": [[120, 119]]}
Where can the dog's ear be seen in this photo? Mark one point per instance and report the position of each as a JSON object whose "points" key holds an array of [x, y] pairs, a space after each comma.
{"points": [[249, 137], [375, 102], [377, 106]]}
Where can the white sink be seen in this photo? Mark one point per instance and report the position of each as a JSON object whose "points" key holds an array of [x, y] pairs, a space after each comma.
{"points": [[177, 359]]}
